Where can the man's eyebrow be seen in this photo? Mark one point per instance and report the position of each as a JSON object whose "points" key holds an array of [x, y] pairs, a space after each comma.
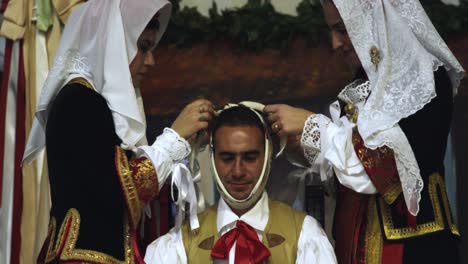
{"points": [[251, 152], [226, 153], [248, 152]]}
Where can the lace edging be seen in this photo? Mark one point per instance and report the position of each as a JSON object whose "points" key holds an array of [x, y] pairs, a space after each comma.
{"points": [[176, 147], [310, 139]]}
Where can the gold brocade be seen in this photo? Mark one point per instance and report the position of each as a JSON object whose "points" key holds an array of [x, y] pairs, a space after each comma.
{"points": [[379, 166], [373, 235], [443, 190], [139, 183], [145, 179], [65, 250], [132, 200], [435, 183], [392, 193]]}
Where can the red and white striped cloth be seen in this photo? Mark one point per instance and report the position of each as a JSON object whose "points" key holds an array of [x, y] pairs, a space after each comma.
{"points": [[12, 143]]}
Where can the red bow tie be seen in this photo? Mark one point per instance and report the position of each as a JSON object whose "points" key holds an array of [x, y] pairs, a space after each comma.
{"points": [[249, 249]]}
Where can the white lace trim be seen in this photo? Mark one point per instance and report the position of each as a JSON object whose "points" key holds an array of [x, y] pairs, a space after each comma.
{"points": [[310, 139], [355, 93], [402, 83], [176, 147]]}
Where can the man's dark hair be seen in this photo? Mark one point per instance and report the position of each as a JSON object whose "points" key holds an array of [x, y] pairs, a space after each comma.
{"points": [[236, 116]]}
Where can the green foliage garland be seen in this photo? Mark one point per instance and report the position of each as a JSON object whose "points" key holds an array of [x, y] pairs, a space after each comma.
{"points": [[257, 26]]}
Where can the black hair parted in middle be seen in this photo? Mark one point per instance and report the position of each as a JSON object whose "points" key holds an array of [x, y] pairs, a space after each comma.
{"points": [[237, 116]]}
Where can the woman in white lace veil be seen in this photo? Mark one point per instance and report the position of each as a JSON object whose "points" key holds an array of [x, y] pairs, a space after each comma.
{"points": [[91, 119], [399, 103]]}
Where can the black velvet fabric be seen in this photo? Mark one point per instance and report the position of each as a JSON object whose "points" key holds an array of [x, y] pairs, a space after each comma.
{"points": [[80, 141], [427, 132]]}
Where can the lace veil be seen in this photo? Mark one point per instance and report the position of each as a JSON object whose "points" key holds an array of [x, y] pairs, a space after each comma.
{"points": [[407, 50], [98, 44]]}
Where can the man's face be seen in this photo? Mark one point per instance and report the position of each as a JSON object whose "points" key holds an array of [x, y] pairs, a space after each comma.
{"points": [[239, 155], [340, 38], [144, 59]]}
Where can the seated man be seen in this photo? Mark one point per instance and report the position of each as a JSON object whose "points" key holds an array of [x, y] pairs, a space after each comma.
{"points": [[245, 226]]}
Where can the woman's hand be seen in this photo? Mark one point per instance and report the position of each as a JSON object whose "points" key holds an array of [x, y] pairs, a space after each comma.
{"points": [[193, 118], [286, 120]]}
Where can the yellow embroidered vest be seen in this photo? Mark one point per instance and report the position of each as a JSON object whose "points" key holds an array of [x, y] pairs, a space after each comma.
{"points": [[280, 236]]}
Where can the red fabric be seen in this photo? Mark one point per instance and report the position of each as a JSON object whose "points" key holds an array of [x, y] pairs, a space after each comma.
{"points": [[3, 103], [249, 249], [138, 258], [392, 253], [350, 215], [360, 238], [379, 164], [3, 6], [399, 209], [19, 149], [151, 226], [411, 220]]}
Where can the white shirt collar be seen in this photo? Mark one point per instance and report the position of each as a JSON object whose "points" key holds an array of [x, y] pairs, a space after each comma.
{"points": [[257, 217]]}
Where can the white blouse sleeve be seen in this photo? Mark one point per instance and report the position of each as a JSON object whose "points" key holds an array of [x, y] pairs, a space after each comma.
{"points": [[168, 149], [330, 142], [313, 245], [167, 249]]}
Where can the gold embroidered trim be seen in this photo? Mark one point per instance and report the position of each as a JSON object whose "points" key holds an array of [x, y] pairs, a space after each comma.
{"points": [[392, 233], [68, 235], [50, 249], [373, 235], [130, 191], [443, 190], [145, 179], [392, 193], [55, 249], [81, 81]]}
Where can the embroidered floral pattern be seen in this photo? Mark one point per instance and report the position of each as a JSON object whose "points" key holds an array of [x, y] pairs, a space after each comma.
{"points": [[310, 139]]}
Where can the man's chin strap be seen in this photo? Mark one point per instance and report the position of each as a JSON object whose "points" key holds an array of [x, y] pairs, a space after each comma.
{"points": [[259, 187]]}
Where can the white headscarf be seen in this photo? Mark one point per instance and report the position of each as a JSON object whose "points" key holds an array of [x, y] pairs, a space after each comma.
{"points": [[98, 44], [410, 50]]}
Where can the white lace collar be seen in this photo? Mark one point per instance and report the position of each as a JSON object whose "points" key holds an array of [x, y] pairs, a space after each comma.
{"points": [[356, 92]]}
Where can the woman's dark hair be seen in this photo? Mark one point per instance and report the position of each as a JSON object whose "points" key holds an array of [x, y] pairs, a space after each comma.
{"points": [[153, 24]]}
